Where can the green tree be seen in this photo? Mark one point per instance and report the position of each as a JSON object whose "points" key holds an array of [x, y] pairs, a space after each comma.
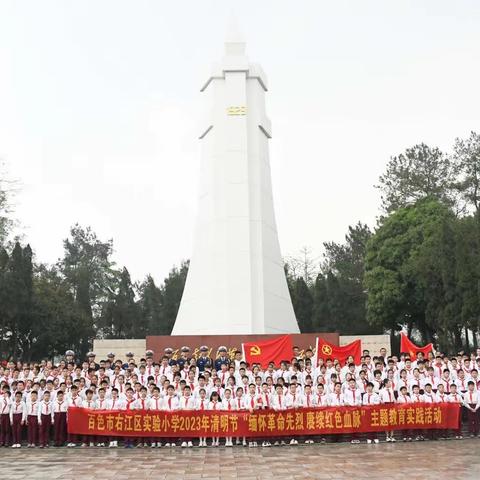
{"points": [[321, 317], [89, 271], [17, 300], [151, 305], [88, 268], [467, 275], [409, 271], [4, 300], [172, 291], [59, 323], [420, 172], [344, 269], [303, 305], [122, 315], [467, 156]]}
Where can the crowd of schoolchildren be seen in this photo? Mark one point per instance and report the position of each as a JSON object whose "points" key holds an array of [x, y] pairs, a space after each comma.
{"points": [[35, 397]]}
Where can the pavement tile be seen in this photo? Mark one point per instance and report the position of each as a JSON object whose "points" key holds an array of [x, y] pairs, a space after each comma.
{"points": [[425, 461]]}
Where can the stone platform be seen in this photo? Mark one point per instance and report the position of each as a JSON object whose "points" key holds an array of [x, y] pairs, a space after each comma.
{"points": [[458, 459]]}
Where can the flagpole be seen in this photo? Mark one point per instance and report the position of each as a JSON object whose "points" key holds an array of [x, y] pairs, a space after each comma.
{"points": [[316, 352]]}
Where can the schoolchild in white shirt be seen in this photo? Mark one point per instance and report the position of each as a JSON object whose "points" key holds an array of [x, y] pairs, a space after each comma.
{"points": [[59, 408], [201, 404], [18, 416], [186, 402], [5, 406], [215, 404], [336, 398], [371, 398], [471, 401], [89, 404], [228, 404], [387, 396], [455, 397], [321, 397]]}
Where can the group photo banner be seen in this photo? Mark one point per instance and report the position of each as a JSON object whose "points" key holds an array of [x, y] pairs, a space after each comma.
{"points": [[263, 423]]}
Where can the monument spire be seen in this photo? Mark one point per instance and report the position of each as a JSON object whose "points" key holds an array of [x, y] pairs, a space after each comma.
{"points": [[234, 40], [236, 282]]}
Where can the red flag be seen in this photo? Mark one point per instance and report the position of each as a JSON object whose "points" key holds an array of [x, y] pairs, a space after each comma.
{"points": [[275, 350], [328, 350], [407, 346]]}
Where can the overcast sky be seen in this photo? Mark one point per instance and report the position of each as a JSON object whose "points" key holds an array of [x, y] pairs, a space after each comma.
{"points": [[100, 110]]}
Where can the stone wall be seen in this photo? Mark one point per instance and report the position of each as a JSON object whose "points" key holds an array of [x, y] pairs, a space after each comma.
{"points": [[369, 342], [119, 347]]}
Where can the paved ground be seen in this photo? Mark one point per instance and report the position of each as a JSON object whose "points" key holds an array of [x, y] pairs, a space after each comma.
{"points": [[439, 460]]}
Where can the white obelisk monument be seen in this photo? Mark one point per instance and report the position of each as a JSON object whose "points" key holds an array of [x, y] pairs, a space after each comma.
{"points": [[236, 281]]}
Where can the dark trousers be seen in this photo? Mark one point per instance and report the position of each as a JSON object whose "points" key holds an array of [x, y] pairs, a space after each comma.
{"points": [[32, 429], [4, 429], [473, 421], [44, 430], [59, 428], [17, 428], [89, 439]]}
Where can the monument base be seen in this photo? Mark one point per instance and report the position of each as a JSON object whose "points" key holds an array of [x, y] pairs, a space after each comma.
{"points": [[158, 343]]}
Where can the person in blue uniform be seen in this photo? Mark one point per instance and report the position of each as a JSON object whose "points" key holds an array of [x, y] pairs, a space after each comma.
{"points": [[129, 356], [222, 358], [91, 360], [204, 361], [168, 352], [184, 358]]}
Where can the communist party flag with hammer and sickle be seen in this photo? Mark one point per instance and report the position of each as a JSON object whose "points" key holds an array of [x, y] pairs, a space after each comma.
{"points": [[275, 350], [328, 350], [407, 346]]}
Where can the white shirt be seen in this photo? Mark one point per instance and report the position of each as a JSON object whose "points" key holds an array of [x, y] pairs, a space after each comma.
{"points": [[60, 406], [32, 407], [45, 408], [321, 400], [429, 397], [74, 402], [18, 408], [170, 403], [115, 404], [201, 404], [416, 398], [186, 403], [293, 400], [336, 399], [403, 399], [141, 404], [470, 398], [5, 404], [308, 400], [279, 402], [387, 396], [155, 403], [91, 404], [229, 404], [215, 406], [371, 399], [352, 397]]}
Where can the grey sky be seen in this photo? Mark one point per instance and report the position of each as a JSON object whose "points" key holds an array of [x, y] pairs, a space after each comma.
{"points": [[100, 110]]}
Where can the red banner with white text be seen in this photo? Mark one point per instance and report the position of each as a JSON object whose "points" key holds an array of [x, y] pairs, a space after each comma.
{"points": [[263, 423]]}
